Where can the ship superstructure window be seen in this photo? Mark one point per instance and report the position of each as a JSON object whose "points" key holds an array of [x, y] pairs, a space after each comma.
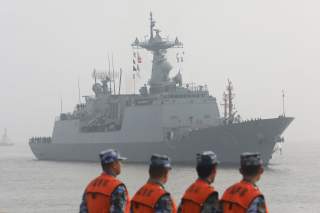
{"points": [[113, 111], [170, 136], [206, 116], [174, 117]]}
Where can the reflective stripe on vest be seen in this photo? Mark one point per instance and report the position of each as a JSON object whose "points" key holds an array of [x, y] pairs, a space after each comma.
{"points": [[195, 196], [239, 196], [147, 197], [98, 193]]}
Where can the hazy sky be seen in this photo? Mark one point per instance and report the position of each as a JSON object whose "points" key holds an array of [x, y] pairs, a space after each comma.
{"points": [[262, 46]]}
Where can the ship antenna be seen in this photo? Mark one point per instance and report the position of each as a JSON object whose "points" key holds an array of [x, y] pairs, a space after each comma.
{"points": [[79, 96], [283, 109], [60, 104], [95, 75], [114, 83], [120, 81], [109, 74], [152, 24], [230, 100], [134, 83], [225, 107]]}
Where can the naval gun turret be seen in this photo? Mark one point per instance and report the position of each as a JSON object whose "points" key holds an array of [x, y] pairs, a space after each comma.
{"points": [[159, 81]]}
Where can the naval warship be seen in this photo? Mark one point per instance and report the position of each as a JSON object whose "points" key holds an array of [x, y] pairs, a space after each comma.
{"points": [[166, 116]]}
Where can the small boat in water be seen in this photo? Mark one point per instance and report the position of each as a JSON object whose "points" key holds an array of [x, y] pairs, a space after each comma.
{"points": [[5, 141]]}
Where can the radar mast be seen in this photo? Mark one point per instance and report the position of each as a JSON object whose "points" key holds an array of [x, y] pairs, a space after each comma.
{"points": [[160, 66], [229, 107]]}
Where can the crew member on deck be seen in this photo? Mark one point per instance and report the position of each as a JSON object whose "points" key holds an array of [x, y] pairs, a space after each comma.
{"points": [[201, 197], [106, 193], [152, 197], [245, 196]]}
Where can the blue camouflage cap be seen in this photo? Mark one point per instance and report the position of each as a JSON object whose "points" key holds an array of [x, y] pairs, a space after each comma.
{"points": [[251, 159], [161, 161], [207, 158], [110, 155]]}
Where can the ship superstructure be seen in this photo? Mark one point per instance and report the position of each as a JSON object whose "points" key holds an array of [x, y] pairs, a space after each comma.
{"points": [[166, 116]]}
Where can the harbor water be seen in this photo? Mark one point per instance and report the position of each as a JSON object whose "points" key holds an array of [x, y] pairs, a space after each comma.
{"points": [[290, 183]]}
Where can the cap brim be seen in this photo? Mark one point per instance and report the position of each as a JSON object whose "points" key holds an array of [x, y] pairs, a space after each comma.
{"points": [[168, 166], [122, 158], [208, 163]]}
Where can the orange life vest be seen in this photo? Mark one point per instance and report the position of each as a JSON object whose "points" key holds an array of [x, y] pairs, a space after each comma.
{"points": [[238, 197], [98, 194], [145, 200], [195, 196]]}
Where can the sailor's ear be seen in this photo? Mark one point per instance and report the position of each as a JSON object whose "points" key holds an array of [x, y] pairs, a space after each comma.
{"points": [[261, 170], [214, 170], [240, 170]]}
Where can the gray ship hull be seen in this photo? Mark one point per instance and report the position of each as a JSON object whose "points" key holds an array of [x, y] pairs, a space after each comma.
{"points": [[228, 141]]}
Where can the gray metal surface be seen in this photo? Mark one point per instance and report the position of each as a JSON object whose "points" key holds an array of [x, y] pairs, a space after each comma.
{"points": [[227, 141]]}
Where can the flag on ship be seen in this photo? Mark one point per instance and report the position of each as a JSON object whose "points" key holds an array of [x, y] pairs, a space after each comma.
{"points": [[136, 61]]}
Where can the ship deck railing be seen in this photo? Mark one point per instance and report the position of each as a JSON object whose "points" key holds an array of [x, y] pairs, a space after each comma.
{"points": [[196, 88], [186, 95]]}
